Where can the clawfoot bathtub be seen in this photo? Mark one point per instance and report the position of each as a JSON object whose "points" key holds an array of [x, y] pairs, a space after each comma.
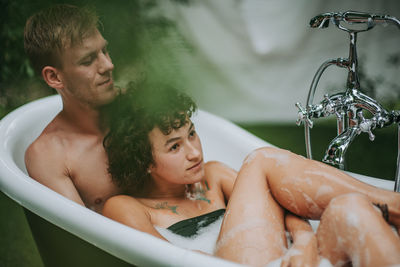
{"points": [[68, 234]]}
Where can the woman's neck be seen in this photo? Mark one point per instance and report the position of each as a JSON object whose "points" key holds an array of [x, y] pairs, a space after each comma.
{"points": [[164, 190]]}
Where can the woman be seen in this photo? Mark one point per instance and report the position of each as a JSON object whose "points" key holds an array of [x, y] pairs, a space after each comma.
{"points": [[155, 153]]}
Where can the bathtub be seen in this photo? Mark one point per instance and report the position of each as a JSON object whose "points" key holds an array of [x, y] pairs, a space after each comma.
{"points": [[68, 234]]}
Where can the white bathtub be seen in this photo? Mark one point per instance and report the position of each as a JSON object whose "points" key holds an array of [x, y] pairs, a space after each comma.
{"points": [[68, 234]]}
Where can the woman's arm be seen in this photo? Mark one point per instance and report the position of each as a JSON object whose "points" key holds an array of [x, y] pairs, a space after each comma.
{"points": [[304, 250], [129, 211], [223, 175]]}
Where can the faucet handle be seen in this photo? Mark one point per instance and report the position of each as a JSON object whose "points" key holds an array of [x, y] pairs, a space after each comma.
{"points": [[302, 116], [366, 125], [330, 107]]}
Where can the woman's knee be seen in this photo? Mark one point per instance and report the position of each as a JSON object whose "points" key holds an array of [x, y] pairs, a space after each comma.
{"points": [[353, 204], [266, 155], [343, 214], [350, 198]]}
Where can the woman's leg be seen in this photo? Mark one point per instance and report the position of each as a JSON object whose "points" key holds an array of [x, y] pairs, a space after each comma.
{"points": [[352, 229], [253, 229], [305, 186]]}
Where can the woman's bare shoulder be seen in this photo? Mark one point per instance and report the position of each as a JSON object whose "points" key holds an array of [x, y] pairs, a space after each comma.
{"points": [[218, 173], [218, 170], [131, 212], [121, 206]]}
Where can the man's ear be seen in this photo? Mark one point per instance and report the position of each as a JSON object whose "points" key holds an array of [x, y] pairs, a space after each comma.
{"points": [[52, 77]]}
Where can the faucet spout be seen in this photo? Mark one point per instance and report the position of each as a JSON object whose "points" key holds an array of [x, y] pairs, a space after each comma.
{"points": [[335, 154]]}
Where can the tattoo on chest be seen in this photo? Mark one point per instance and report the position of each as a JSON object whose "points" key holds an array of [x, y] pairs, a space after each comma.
{"points": [[197, 192], [206, 183], [165, 206], [203, 198]]}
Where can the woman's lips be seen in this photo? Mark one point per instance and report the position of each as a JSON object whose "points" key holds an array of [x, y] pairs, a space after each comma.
{"points": [[196, 166]]}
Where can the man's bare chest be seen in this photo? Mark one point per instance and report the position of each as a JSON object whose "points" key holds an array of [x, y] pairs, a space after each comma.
{"points": [[90, 176]]}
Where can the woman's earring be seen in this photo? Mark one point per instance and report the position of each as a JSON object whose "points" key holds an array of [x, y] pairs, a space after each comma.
{"points": [[148, 171]]}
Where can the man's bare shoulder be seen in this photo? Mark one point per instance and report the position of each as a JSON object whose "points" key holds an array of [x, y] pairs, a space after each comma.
{"points": [[72, 163], [48, 154], [46, 161], [51, 143]]}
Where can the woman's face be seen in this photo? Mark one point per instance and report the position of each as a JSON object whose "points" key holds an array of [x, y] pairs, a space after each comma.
{"points": [[178, 156]]}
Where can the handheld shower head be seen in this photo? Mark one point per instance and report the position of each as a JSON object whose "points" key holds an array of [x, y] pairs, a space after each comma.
{"points": [[321, 21], [352, 18]]}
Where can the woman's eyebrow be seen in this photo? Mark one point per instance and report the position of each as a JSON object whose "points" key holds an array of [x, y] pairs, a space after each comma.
{"points": [[171, 140]]}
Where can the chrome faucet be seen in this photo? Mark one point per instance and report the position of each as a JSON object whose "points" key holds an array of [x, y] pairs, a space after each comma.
{"points": [[348, 106]]}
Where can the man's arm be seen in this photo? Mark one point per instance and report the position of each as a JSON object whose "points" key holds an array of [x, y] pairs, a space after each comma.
{"points": [[46, 164]]}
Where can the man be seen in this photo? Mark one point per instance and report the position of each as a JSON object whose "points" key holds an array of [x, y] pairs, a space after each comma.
{"points": [[66, 48]]}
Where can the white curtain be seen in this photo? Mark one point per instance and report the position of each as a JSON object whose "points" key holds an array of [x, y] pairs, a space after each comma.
{"points": [[253, 59]]}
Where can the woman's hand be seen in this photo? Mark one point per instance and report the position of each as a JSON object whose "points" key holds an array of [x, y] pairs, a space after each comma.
{"points": [[304, 250]]}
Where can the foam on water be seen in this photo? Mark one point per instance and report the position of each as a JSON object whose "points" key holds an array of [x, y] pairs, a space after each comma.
{"points": [[278, 262], [205, 240]]}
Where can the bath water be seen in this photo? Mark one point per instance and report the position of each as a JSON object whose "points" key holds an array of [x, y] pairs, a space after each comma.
{"points": [[205, 239]]}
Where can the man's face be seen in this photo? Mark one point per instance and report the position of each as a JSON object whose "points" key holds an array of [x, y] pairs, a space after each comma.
{"points": [[86, 72]]}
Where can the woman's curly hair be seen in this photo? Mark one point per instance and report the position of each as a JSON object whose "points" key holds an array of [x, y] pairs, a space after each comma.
{"points": [[131, 117]]}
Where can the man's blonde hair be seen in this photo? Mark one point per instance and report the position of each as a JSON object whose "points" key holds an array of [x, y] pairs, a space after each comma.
{"points": [[48, 32]]}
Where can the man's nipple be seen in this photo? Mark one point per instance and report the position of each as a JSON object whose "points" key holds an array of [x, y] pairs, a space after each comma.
{"points": [[98, 201]]}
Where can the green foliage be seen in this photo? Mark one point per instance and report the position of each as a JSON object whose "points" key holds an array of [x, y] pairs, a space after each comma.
{"points": [[14, 63], [18, 84]]}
